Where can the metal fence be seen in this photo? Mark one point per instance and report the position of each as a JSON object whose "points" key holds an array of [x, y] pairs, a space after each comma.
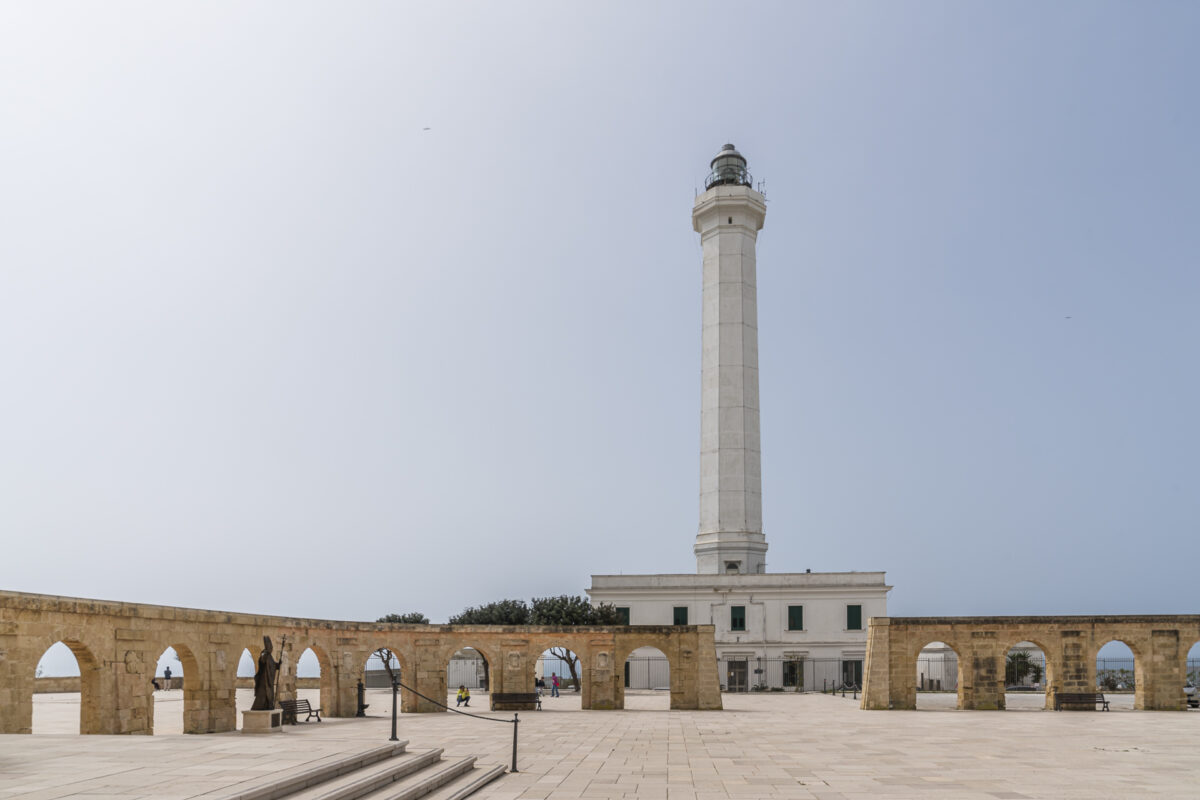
{"points": [[1112, 674], [780, 674]]}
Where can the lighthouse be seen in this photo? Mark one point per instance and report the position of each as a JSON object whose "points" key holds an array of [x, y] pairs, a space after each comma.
{"points": [[728, 217], [778, 630]]}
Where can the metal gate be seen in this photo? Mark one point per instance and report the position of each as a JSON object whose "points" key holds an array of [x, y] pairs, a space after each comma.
{"points": [[737, 676]]}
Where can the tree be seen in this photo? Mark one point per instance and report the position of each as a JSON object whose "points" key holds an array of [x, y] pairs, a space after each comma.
{"points": [[502, 612], [385, 655], [567, 610], [1017, 665], [410, 618]]}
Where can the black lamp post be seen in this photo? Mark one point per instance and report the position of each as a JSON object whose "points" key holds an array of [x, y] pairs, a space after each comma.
{"points": [[362, 706], [395, 692]]}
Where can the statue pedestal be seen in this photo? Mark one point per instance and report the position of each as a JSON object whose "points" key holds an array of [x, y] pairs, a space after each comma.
{"points": [[270, 721]]}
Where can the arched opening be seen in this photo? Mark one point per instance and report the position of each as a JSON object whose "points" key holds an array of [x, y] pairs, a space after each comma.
{"points": [[244, 692], [1119, 675], [648, 679], [562, 666], [175, 682], [1028, 676], [314, 677], [468, 671], [938, 677], [1191, 671], [379, 668], [66, 678]]}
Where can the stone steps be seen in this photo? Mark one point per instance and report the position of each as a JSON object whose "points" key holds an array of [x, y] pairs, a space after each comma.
{"points": [[390, 772], [321, 773], [364, 782], [467, 784]]}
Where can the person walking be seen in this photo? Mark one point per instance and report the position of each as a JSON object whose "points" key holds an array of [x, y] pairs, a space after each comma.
{"points": [[464, 696], [554, 684]]}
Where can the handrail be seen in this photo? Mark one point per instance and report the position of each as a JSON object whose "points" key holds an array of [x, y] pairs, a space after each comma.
{"points": [[515, 721]]}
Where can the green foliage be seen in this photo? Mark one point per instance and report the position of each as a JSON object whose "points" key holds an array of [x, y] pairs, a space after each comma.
{"points": [[411, 618], [571, 610], [607, 614], [1017, 665], [503, 612]]}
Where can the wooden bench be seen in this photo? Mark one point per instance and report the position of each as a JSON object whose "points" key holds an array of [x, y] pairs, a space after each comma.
{"points": [[1073, 701], [293, 708], [516, 701]]}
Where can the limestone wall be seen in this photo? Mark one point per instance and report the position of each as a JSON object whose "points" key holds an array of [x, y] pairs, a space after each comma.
{"points": [[1160, 644], [56, 685], [117, 646]]}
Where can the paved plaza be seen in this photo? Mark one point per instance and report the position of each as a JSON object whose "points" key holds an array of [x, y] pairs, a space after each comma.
{"points": [[761, 746]]}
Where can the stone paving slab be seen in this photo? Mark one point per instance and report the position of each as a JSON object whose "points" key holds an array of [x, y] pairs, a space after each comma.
{"points": [[762, 746]]}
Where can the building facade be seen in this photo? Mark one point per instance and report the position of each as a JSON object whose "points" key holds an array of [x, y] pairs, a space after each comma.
{"points": [[799, 631]]}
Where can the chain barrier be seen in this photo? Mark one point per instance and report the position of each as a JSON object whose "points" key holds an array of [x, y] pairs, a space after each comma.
{"points": [[515, 721]]}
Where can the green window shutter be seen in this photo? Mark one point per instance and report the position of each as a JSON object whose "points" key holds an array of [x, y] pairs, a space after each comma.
{"points": [[854, 618], [737, 618], [624, 614], [795, 618], [681, 615]]}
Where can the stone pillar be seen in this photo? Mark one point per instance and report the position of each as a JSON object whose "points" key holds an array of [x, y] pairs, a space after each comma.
{"points": [[728, 217], [350, 662], [99, 689], [876, 694], [683, 691], [1078, 665], [1052, 650], [17, 669], [515, 670], [430, 675], [130, 689], [708, 682], [983, 673], [1159, 687], [212, 708], [599, 674]]}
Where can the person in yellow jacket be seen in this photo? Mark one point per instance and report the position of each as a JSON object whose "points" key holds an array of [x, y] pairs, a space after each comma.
{"points": [[464, 696]]}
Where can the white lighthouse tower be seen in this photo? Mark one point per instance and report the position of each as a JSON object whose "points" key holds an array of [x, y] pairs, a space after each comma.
{"points": [[728, 217], [776, 630]]}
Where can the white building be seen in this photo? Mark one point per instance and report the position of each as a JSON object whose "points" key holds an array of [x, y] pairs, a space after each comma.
{"points": [[784, 630]]}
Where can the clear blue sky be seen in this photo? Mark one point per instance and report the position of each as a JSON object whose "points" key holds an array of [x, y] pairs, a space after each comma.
{"points": [[259, 326]]}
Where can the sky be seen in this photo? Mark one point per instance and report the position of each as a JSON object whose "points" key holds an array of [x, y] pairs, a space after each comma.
{"points": [[341, 309]]}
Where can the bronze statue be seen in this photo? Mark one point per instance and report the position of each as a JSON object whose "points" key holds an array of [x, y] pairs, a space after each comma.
{"points": [[264, 679]]}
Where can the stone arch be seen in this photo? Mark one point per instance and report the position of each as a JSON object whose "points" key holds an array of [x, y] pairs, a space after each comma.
{"points": [[1139, 648], [324, 663], [241, 675], [1052, 679], [493, 664], [910, 667], [195, 704], [625, 647], [537, 658], [1191, 664], [406, 666], [90, 717]]}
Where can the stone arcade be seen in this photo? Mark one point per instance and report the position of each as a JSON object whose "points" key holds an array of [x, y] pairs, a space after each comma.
{"points": [[1160, 646], [116, 645]]}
